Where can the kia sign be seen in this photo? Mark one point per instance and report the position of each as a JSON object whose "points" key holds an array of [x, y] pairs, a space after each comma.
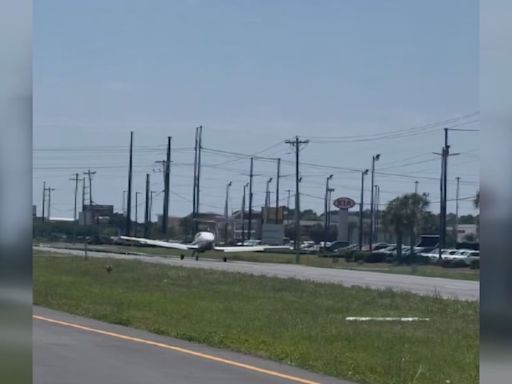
{"points": [[344, 203]]}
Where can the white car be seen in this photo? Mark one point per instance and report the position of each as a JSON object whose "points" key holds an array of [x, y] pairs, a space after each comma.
{"points": [[433, 255], [466, 255]]}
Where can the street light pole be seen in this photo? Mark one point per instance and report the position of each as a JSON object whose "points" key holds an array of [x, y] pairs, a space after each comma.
{"points": [[226, 213], [361, 209], [374, 159], [376, 219], [326, 208], [267, 200], [243, 214]]}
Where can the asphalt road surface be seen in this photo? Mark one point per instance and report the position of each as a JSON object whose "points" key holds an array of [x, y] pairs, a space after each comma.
{"points": [[74, 350], [448, 288]]}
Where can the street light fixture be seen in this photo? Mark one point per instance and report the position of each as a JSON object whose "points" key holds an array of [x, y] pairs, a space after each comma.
{"points": [[374, 159]]}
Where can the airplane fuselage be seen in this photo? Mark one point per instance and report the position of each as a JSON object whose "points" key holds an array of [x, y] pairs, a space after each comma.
{"points": [[205, 241]]}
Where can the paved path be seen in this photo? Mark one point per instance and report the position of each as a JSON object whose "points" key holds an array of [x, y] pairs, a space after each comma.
{"points": [[74, 350], [449, 288]]}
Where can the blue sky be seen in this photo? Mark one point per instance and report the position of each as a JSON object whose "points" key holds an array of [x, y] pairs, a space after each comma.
{"points": [[253, 73]]}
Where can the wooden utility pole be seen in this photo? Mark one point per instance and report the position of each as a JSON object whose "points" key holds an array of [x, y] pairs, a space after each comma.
{"points": [[146, 211], [129, 199], [197, 176], [167, 170], [297, 143], [277, 189], [251, 175], [44, 202], [75, 179], [457, 209]]}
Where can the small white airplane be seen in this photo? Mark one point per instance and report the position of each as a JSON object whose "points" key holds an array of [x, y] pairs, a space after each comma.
{"points": [[203, 241]]}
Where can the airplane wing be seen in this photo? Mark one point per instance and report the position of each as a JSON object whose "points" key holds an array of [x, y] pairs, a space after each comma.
{"points": [[158, 243], [256, 248]]}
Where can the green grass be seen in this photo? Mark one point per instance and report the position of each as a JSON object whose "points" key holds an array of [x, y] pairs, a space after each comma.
{"points": [[294, 322], [311, 260]]}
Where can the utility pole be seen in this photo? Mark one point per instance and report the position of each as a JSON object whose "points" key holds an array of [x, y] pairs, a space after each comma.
{"points": [[44, 202], [226, 213], [277, 189], [146, 211], [267, 200], [326, 210], [251, 175], [129, 200], [124, 203], [197, 175], [136, 211], [445, 183], [50, 201], [76, 192], [443, 188], [297, 143], [457, 209], [83, 194], [243, 214], [374, 159], [194, 203], [167, 173], [361, 209], [416, 187], [151, 206], [89, 173], [199, 148], [288, 205]]}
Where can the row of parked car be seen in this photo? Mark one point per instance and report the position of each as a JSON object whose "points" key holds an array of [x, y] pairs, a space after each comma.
{"points": [[466, 256]]}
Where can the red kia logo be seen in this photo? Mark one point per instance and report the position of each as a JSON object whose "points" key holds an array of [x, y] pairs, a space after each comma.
{"points": [[344, 203]]}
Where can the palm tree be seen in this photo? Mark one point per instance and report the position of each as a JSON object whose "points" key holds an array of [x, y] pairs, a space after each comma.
{"points": [[404, 214]]}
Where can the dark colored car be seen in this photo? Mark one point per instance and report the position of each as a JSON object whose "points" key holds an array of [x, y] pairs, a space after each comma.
{"points": [[337, 245]]}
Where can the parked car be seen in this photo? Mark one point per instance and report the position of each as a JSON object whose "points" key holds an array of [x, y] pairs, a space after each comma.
{"points": [[337, 245], [466, 255], [387, 251]]}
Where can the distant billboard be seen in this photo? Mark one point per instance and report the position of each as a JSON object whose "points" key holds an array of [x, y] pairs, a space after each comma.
{"points": [[344, 203]]}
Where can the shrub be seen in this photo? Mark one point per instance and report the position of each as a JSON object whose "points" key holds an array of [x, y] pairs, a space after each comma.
{"points": [[360, 256], [349, 256], [475, 264], [453, 264], [374, 257]]}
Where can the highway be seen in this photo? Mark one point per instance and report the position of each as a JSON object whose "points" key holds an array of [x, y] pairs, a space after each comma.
{"points": [[74, 350], [447, 288]]}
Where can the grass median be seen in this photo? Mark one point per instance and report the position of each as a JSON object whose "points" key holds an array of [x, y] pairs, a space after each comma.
{"points": [[294, 322], [305, 259]]}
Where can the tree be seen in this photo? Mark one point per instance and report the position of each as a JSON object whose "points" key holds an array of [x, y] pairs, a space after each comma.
{"points": [[476, 201], [308, 214], [187, 226], [404, 214], [467, 219]]}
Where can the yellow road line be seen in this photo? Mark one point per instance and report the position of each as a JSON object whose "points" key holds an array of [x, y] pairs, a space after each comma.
{"points": [[178, 349]]}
